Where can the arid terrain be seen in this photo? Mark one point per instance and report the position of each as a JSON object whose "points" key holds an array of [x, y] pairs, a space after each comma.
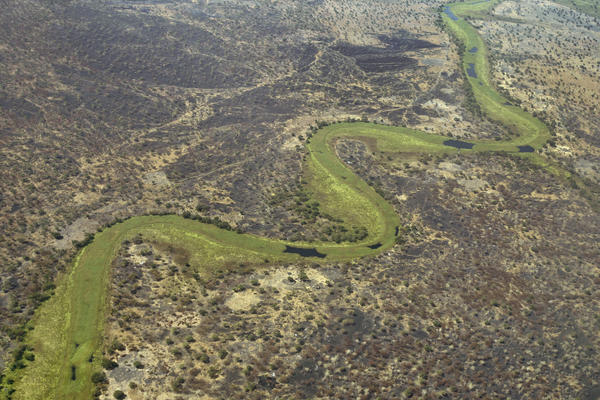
{"points": [[478, 303], [151, 107], [121, 108], [547, 57]]}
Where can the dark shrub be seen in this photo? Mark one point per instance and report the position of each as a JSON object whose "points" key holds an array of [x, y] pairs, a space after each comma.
{"points": [[109, 364], [98, 377], [119, 395]]}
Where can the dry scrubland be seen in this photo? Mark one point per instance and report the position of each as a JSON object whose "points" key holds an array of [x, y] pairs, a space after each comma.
{"points": [[116, 109], [547, 56], [478, 302], [153, 107]]}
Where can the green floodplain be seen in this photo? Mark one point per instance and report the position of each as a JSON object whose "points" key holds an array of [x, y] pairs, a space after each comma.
{"points": [[67, 330]]}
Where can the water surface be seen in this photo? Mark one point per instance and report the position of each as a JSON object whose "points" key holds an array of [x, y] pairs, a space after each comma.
{"points": [[526, 149], [304, 252], [450, 14], [471, 71], [459, 144]]}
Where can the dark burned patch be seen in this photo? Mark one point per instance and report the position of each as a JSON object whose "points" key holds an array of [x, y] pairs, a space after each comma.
{"points": [[419, 334], [267, 382], [304, 252], [591, 393], [405, 44], [307, 371], [592, 139], [110, 40], [19, 108], [459, 144], [420, 110], [384, 59], [384, 63], [350, 326]]}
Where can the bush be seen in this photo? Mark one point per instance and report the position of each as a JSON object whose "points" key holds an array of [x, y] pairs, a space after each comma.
{"points": [[109, 364], [239, 288], [116, 345], [303, 277], [204, 358], [207, 220], [177, 384], [19, 352], [17, 365], [213, 372], [98, 377], [88, 239], [119, 395]]}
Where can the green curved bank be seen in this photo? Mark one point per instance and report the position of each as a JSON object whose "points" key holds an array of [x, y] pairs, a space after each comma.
{"points": [[68, 328]]}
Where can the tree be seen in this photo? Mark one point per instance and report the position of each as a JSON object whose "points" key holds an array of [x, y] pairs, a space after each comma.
{"points": [[109, 364], [119, 395], [98, 377]]}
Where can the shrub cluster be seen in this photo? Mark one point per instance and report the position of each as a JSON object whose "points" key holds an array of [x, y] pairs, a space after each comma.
{"points": [[208, 220]]}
